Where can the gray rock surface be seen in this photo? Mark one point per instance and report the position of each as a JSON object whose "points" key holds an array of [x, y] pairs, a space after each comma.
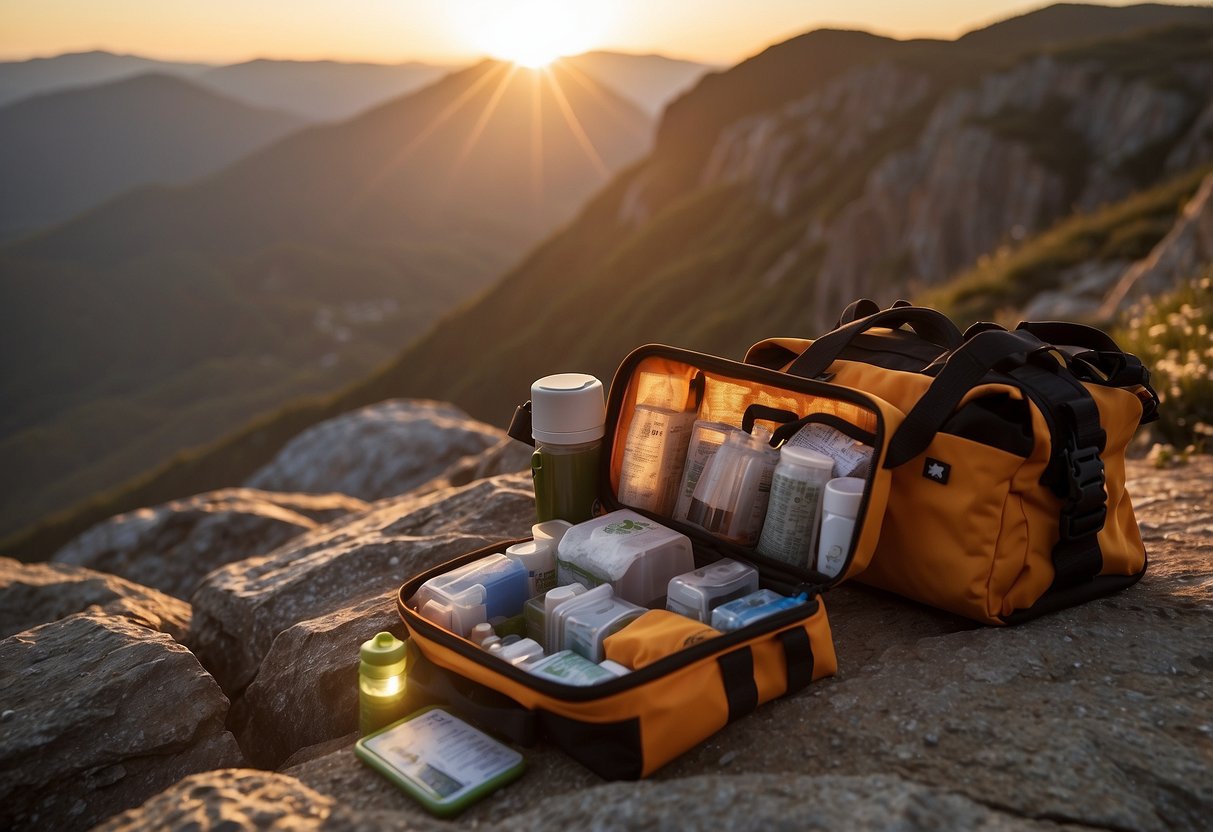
{"points": [[38, 593], [172, 546], [241, 608], [100, 713], [509, 456], [379, 451], [306, 688]]}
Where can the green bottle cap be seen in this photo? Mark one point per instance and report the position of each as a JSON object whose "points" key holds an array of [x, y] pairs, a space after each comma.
{"points": [[382, 656]]}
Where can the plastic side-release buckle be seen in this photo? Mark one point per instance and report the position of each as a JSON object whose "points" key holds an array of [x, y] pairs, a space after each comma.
{"points": [[1085, 507]]}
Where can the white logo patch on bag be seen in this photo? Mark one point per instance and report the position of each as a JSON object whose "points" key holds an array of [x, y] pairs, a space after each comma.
{"points": [[936, 471]]}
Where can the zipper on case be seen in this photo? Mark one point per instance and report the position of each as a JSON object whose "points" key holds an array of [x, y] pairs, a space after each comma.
{"points": [[586, 693]]}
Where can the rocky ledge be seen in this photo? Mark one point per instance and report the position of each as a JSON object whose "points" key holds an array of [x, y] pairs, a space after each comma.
{"points": [[1098, 716]]}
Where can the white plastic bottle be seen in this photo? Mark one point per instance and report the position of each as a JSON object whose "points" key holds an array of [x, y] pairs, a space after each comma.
{"points": [[789, 532], [539, 558], [841, 503]]}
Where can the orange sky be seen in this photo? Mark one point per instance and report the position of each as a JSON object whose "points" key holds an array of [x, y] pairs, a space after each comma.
{"points": [[449, 31]]}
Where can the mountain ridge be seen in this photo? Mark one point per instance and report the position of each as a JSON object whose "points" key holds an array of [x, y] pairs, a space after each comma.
{"points": [[292, 270], [70, 150]]}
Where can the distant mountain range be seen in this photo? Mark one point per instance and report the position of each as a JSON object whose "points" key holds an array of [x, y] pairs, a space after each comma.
{"points": [[170, 315], [652, 81], [330, 90], [320, 90], [68, 151], [22, 79], [833, 165], [78, 142]]}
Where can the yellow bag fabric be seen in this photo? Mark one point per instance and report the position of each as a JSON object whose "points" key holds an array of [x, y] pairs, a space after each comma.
{"points": [[653, 636], [981, 544]]}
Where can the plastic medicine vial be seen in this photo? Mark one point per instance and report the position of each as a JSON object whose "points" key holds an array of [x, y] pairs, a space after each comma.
{"points": [[841, 503], [789, 532]]}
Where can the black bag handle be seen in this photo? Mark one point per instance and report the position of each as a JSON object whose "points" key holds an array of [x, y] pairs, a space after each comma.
{"points": [[763, 413], [928, 324], [964, 369], [862, 308], [1093, 356], [1064, 333]]}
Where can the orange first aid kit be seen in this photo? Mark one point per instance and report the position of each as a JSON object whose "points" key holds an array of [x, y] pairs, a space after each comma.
{"points": [[987, 488]]}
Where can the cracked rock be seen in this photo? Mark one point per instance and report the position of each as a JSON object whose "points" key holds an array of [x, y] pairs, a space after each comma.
{"points": [[38, 593], [105, 714], [172, 546]]}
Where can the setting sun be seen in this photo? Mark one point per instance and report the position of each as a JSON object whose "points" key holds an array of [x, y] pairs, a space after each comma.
{"points": [[532, 33]]}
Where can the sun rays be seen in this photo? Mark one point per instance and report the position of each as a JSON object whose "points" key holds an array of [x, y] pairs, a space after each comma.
{"points": [[487, 92]]}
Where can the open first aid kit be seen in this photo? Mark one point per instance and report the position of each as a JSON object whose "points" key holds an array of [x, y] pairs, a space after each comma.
{"points": [[685, 584]]}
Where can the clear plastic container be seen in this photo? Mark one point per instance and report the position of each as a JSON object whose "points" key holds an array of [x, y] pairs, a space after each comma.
{"points": [[730, 498], [556, 615], [521, 651], [587, 625], [535, 611], [706, 439], [569, 668], [745, 611], [493, 587], [633, 554], [697, 593]]}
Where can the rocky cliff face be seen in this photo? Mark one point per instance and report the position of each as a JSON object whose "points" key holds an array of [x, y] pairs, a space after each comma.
{"points": [[1182, 253], [899, 175]]}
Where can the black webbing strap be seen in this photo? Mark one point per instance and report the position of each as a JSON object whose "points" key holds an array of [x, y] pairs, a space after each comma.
{"points": [[798, 656], [1071, 334], [737, 674], [929, 324], [1075, 472], [1093, 356], [964, 369], [857, 309]]}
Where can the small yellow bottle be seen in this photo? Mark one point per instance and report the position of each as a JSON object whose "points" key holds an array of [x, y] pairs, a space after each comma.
{"points": [[381, 682]]}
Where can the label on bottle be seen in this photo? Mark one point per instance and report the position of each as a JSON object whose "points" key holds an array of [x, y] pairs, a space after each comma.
{"points": [[790, 530], [706, 439], [653, 457]]}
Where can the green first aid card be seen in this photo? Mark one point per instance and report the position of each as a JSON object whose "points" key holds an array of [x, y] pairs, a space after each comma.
{"points": [[440, 760]]}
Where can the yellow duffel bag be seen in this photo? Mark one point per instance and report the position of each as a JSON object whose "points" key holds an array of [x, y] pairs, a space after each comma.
{"points": [[1008, 495]]}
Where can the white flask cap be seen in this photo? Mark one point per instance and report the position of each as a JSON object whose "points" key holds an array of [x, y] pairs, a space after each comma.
{"points": [[567, 409]]}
